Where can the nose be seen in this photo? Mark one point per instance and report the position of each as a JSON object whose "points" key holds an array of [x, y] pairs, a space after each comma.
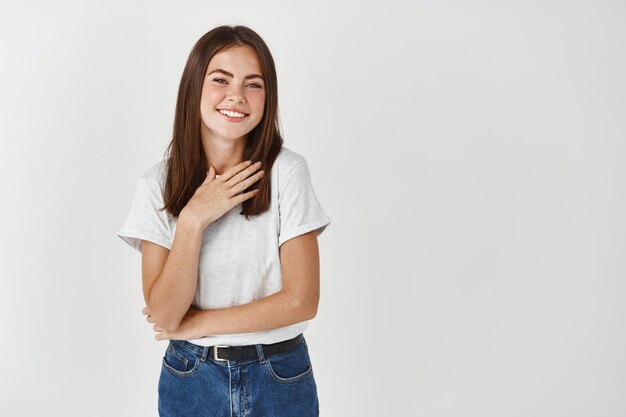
{"points": [[235, 94]]}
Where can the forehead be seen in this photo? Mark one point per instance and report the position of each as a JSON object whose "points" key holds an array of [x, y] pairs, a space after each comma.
{"points": [[235, 59]]}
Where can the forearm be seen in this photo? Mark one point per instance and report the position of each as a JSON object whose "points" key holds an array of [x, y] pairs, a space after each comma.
{"points": [[173, 291], [276, 310]]}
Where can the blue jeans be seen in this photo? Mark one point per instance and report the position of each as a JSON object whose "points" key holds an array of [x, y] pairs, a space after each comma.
{"points": [[192, 383]]}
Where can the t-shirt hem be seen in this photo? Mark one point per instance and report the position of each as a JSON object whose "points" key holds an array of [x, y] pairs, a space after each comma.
{"points": [[318, 224], [133, 238]]}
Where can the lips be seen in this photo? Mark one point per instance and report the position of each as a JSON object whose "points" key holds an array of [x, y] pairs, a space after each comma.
{"points": [[234, 109], [233, 119]]}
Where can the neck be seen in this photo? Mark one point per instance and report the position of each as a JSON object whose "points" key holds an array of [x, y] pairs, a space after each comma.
{"points": [[223, 154]]}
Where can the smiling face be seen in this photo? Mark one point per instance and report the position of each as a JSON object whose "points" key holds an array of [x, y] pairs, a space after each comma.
{"points": [[233, 80]]}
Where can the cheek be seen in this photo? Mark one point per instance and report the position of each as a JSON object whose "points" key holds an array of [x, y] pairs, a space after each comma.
{"points": [[209, 97], [257, 102], [205, 112], [208, 101]]}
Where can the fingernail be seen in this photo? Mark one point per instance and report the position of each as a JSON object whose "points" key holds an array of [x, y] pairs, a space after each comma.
{"points": [[248, 162]]}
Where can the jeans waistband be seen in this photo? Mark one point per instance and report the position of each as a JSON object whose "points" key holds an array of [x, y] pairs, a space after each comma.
{"points": [[239, 353]]}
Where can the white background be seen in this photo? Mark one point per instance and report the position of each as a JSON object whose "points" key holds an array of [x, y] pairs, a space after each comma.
{"points": [[470, 156]]}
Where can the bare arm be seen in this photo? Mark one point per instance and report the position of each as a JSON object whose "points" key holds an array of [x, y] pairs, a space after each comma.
{"points": [[170, 276], [276, 310], [170, 279], [295, 302]]}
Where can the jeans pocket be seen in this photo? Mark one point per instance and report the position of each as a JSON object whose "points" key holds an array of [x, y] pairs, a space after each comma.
{"points": [[180, 361], [290, 367]]}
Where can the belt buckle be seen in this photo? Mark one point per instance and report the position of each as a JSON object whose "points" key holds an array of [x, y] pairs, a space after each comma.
{"points": [[215, 352]]}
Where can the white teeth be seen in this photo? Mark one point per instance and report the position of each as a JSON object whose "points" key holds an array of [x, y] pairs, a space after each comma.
{"points": [[232, 113]]}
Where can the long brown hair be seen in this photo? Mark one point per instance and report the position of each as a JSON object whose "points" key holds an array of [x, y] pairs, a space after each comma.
{"points": [[186, 163]]}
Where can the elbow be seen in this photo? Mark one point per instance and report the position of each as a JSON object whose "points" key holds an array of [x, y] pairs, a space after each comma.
{"points": [[164, 319], [170, 327], [167, 325], [169, 322], [302, 307], [314, 303], [312, 315], [307, 309], [312, 309], [167, 313]]}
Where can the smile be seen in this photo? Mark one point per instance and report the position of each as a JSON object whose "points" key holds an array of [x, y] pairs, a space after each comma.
{"points": [[232, 116]]}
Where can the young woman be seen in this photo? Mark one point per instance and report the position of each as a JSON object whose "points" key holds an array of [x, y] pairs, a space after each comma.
{"points": [[227, 225]]}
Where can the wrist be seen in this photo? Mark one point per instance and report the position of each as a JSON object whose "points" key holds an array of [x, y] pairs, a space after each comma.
{"points": [[200, 323], [188, 220]]}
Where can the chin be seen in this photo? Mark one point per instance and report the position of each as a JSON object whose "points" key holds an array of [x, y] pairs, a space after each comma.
{"points": [[234, 135]]}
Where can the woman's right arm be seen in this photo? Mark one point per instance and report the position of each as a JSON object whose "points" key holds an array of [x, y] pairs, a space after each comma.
{"points": [[170, 276]]}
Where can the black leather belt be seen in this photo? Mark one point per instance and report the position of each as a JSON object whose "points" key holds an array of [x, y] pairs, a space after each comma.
{"points": [[237, 353]]}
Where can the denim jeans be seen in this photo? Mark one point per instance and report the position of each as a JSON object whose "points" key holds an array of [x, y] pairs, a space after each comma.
{"points": [[194, 384]]}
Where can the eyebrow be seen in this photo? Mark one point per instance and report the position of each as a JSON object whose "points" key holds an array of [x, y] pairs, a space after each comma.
{"points": [[247, 77]]}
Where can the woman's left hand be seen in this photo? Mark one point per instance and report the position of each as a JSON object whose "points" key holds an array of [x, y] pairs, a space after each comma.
{"points": [[189, 327]]}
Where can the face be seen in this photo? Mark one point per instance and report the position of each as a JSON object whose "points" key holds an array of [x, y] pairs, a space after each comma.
{"points": [[233, 81]]}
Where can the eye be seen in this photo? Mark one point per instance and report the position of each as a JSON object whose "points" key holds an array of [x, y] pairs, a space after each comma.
{"points": [[256, 85]]}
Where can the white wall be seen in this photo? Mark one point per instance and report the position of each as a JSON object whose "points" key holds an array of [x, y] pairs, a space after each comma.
{"points": [[470, 156]]}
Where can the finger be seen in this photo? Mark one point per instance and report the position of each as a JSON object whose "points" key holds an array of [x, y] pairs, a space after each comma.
{"points": [[244, 185], [243, 197], [243, 174], [228, 174], [212, 173]]}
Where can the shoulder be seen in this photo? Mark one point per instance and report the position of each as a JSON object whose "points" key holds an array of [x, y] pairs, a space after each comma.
{"points": [[154, 176], [286, 161]]}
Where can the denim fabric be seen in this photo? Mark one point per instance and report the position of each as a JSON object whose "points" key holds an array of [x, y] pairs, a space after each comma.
{"points": [[192, 383]]}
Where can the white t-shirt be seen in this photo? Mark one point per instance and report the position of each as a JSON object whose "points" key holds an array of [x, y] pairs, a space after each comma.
{"points": [[239, 259]]}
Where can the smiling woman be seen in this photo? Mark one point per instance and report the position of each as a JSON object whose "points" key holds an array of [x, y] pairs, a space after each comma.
{"points": [[227, 225], [229, 95]]}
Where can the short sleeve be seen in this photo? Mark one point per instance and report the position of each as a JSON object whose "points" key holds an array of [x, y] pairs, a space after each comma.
{"points": [[299, 209], [145, 221]]}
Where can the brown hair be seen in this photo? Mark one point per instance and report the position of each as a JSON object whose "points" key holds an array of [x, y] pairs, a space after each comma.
{"points": [[186, 163]]}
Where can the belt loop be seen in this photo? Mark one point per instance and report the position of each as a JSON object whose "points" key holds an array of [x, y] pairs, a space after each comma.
{"points": [[259, 352], [205, 353]]}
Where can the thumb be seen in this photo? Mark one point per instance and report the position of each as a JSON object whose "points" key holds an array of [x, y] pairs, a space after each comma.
{"points": [[211, 175]]}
